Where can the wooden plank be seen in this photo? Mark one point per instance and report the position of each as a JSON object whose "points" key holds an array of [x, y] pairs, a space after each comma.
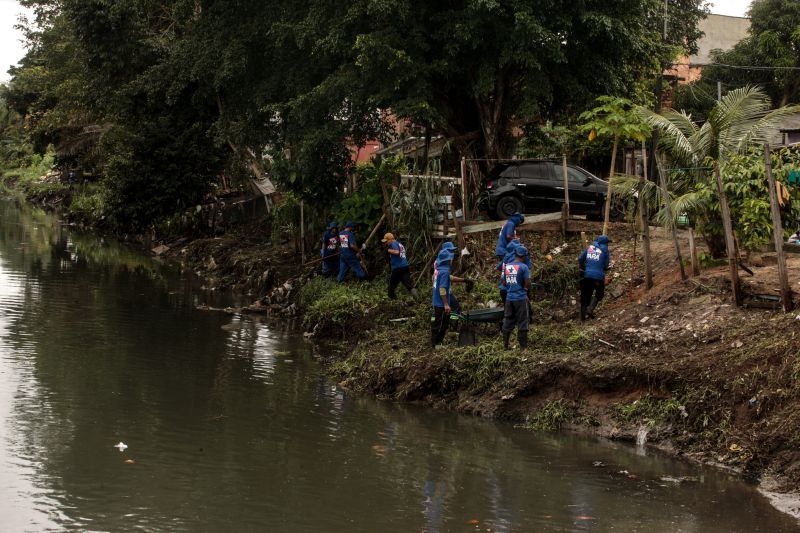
{"points": [[530, 220], [777, 234]]}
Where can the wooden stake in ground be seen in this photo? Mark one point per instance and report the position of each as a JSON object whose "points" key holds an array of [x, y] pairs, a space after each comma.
{"points": [[566, 195], [648, 261], [693, 253], [302, 234], [777, 233], [730, 244]]}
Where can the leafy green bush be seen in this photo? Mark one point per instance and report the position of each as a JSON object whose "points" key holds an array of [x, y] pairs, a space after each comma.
{"points": [[87, 205], [324, 300]]}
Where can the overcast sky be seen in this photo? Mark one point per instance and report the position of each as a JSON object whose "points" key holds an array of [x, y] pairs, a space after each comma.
{"points": [[11, 49]]}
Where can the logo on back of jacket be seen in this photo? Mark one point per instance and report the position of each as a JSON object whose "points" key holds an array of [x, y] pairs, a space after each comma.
{"points": [[332, 242], [344, 239], [511, 274], [402, 251], [593, 253]]}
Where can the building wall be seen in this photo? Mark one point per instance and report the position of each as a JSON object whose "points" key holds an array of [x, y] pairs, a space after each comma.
{"points": [[720, 32]]}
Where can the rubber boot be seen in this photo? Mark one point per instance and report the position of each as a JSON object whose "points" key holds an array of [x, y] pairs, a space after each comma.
{"points": [[583, 313], [522, 337], [592, 305], [506, 340]]}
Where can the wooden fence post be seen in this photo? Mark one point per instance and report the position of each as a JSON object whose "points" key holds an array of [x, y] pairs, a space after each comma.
{"points": [[566, 193], [693, 253], [730, 243], [648, 261], [464, 199], [302, 234], [777, 233]]}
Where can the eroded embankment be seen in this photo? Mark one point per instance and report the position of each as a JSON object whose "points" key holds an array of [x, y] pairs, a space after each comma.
{"points": [[683, 369]]}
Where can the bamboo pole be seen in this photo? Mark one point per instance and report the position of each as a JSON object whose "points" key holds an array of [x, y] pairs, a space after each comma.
{"points": [[648, 261], [464, 200], [302, 233], [566, 194], [777, 233], [730, 244], [610, 180]]}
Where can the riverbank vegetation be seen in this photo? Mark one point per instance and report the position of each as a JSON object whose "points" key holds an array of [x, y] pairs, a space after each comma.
{"points": [[135, 130]]}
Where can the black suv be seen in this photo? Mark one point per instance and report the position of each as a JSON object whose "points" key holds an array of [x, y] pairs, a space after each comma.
{"points": [[538, 186]]}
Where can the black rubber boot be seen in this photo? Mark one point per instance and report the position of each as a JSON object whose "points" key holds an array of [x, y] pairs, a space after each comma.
{"points": [[522, 337], [506, 340], [583, 313], [592, 305]]}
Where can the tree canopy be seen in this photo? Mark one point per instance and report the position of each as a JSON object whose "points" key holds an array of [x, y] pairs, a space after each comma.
{"points": [[161, 96]]}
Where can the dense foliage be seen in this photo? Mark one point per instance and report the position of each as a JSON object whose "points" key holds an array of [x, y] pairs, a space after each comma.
{"points": [[163, 97]]}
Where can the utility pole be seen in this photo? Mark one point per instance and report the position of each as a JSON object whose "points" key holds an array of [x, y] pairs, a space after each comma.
{"points": [[658, 95]]}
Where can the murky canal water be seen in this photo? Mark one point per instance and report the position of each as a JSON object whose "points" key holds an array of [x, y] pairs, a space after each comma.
{"points": [[230, 425]]}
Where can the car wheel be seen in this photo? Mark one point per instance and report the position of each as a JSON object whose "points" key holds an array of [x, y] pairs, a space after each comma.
{"points": [[617, 215], [507, 206]]}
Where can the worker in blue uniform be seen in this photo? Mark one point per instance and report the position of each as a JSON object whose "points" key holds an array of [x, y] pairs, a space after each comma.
{"points": [[349, 253]]}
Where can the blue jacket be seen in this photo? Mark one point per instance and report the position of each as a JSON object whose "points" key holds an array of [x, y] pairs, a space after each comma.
{"points": [[507, 233], [509, 258], [330, 243], [515, 274], [595, 259], [346, 239], [398, 260], [441, 280]]}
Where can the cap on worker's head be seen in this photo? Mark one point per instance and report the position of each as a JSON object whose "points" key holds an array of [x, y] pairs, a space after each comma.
{"points": [[518, 217], [521, 251], [387, 238], [348, 224], [333, 224], [444, 256], [602, 239], [447, 245]]}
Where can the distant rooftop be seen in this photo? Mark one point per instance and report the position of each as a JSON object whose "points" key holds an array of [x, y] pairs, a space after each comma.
{"points": [[721, 31]]}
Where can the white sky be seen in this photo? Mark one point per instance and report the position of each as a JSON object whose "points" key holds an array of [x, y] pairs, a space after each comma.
{"points": [[736, 8], [11, 49]]}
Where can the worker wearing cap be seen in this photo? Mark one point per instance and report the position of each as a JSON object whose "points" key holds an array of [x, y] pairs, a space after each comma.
{"points": [[399, 263], [507, 234], [517, 280], [349, 253], [330, 250], [444, 302], [593, 263]]}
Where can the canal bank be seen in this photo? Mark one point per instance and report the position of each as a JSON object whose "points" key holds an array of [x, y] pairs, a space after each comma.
{"points": [[677, 368]]}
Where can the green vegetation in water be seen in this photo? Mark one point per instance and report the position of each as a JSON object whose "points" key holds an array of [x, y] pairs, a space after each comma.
{"points": [[651, 411], [325, 300], [551, 417]]}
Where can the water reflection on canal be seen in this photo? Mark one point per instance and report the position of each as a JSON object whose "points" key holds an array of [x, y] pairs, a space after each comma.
{"points": [[230, 425]]}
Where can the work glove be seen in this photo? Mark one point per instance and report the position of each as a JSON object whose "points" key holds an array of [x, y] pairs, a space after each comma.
{"points": [[470, 284]]}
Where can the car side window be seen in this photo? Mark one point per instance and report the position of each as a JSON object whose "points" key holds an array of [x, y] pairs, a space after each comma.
{"points": [[575, 176], [536, 171], [509, 172]]}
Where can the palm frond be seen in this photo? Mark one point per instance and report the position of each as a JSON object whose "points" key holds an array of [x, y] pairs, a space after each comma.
{"points": [[672, 126], [760, 130]]}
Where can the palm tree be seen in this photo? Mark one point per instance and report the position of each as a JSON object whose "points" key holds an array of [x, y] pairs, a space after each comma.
{"points": [[738, 120]]}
